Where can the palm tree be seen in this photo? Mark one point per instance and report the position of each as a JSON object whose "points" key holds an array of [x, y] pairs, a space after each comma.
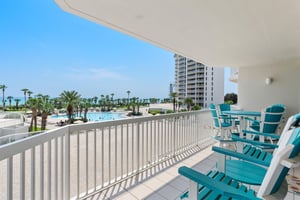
{"points": [[29, 94], [39, 98], [95, 100], [57, 102], [173, 95], [85, 104], [46, 107], [179, 103], [107, 103], [3, 87], [189, 102], [9, 100], [70, 98], [128, 93], [25, 90], [133, 103], [102, 102], [33, 103], [112, 99], [17, 103]]}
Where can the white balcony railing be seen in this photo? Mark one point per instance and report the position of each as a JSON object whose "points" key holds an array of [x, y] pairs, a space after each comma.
{"points": [[80, 160]]}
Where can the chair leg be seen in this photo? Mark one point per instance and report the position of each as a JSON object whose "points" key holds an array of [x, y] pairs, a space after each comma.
{"points": [[220, 165]]}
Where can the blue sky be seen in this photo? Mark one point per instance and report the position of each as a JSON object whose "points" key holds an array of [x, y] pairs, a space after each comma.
{"points": [[47, 51]]}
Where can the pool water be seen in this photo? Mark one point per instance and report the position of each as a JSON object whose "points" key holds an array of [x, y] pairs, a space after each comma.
{"points": [[96, 116]]}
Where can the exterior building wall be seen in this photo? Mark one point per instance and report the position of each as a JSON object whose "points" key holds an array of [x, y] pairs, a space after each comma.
{"points": [[203, 84], [234, 75], [255, 94]]}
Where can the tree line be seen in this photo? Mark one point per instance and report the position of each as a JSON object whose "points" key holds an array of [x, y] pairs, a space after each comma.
{"points": [[42, 105]]}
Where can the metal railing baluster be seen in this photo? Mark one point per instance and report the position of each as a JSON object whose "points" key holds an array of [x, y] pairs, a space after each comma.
{"points": [[42, 171], [22, 175], [49, 171], [32, 174], [95, 158]]}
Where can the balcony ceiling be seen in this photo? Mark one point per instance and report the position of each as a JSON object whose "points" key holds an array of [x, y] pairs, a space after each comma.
{"points": [[219, 33]]}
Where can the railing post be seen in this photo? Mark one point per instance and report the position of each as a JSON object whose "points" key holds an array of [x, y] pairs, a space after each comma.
{"points": [[138, 147], [197, 128], [22, 175], [174, 134], [67, 164], [9, 178]]}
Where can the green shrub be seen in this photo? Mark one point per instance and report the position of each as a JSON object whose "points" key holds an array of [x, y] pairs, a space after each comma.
{"points": [[196, 107]]}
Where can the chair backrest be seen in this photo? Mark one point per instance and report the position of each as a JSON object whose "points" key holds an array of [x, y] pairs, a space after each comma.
{"points": [[224, 107], [277, 172], [285, 138], [271, 118], [215, 115], [292, 122]]}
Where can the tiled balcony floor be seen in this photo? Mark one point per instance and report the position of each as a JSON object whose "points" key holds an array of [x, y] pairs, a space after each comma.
{"points": [[166, 184]]}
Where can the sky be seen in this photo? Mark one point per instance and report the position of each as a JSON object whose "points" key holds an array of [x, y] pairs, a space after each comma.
{"points": [[46, 50]]}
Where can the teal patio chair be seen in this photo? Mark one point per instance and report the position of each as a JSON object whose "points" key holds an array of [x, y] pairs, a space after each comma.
{"points": [[252, 151], [222, 124], [227, 107], [217, 185], [270, 120]]}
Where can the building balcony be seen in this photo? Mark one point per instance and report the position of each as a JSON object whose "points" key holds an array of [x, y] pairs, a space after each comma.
{"points": [[121, 159], [93, 159]]}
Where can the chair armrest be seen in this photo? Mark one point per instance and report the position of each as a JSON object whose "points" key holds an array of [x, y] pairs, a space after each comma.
{"points": [[239, 155], [252, 120], [254, 142], [228, 116], [213, 184], [275, 136], [291, 162]]}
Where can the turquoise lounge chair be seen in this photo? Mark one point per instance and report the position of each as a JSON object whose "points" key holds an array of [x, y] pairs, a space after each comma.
{"points": [[217, 185]]}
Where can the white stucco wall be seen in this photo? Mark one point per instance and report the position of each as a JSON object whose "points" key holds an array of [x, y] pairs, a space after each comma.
{"points": [[218, 85], [254, 94]]}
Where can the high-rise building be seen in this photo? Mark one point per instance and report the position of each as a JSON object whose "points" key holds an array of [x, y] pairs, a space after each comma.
{"points": [[203, 84]]}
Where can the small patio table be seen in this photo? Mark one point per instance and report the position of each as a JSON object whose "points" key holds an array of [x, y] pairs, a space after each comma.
{"points": [[241, 114]]}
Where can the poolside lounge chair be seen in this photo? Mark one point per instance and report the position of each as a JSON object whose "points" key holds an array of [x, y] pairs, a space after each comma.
{"points": [[216, 184]]}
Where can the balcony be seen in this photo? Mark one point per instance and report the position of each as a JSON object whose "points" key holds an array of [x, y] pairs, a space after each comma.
{"points": [[81, 161], [254, 59], [122, 159]]}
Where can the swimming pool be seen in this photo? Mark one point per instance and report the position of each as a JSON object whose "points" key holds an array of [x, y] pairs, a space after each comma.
{"points": [[96, 116]]}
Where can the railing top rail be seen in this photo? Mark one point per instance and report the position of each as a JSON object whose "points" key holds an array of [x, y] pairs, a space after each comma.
{"points": [[10, 149], [91, 125]]}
